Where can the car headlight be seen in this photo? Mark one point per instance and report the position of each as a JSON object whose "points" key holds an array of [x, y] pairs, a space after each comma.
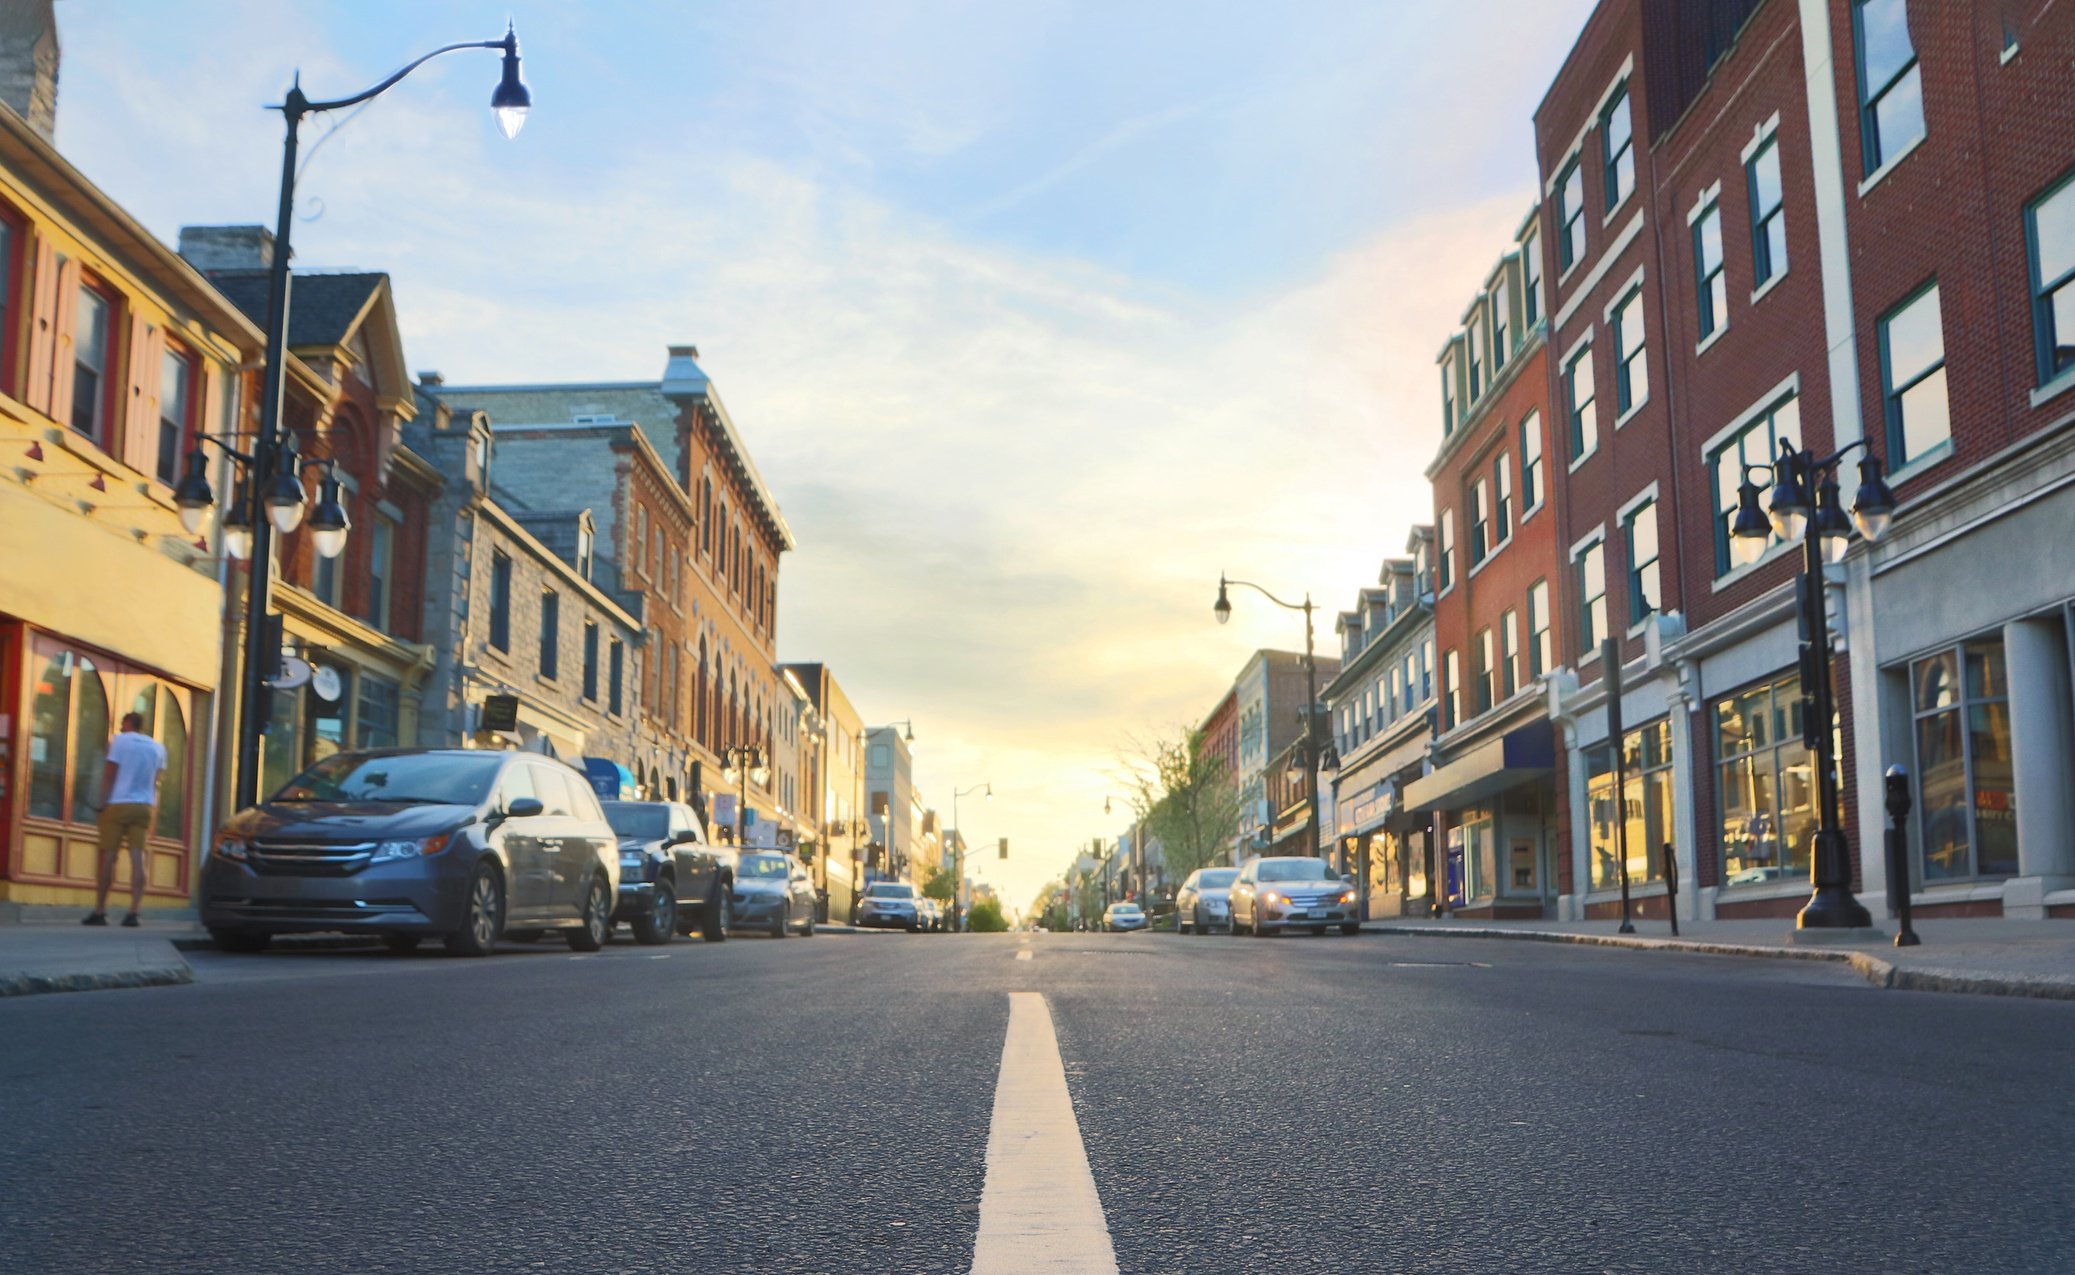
{"points": [[1270, 896], [1348, 897], [230, 847], [388, 850]]}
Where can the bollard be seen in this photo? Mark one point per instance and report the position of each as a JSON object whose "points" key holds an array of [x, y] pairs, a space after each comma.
{"points": [[1671, 886], [1897, 784]]}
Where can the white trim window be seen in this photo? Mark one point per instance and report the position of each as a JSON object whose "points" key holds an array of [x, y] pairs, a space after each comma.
{"points": [[1768, 213], [1449, 418], [1891, 87], [1631, 366], [1473, 336], [1966, 779], [1589, 562], [1445, 568], [1912, 378], [1711, 284], [1531, 470], [1531, 279], [1501, 310], [1502, 502], [1617, 149], [1757, 443], [2050, 236], [1570, 216], [1581, 404], [1541, 642], [1509, 654], [1644, 590], [1480, 521]]}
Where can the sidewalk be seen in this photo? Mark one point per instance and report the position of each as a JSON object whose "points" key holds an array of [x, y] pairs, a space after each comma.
{"points": [[1988, 956], [65, 956]]}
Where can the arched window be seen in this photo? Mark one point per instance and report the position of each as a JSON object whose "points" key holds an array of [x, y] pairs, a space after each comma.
{"points": [[89, 738], [699, 702]]}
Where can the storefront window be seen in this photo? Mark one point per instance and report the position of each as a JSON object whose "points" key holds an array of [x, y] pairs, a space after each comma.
{"points": [[1966, 789], [171, 731], [1412, 846], [90, 731], [1646, 805], [1767, 785], [1477, 849], [281, 755], [50, 736]]}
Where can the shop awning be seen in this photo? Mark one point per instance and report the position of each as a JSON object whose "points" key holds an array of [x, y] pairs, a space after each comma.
{"points": [[1517, 757]]}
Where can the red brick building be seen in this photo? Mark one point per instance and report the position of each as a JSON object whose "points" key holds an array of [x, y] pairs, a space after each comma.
{"points": [[1497, 581]]}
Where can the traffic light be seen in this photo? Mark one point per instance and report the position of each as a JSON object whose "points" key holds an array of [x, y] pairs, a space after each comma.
{"points": [[1004, 847]]}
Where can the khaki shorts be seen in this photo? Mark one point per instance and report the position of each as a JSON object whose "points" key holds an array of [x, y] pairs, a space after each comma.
{"points": [[124, 821]]}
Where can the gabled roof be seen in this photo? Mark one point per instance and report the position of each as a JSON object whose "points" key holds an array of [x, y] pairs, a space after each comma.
{"points": [[323, 308]]}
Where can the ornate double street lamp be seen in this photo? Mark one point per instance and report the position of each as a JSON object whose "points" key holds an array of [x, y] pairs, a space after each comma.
{"points": [[270, 474], [740, 764], [1312, 752], [1804, 504]]}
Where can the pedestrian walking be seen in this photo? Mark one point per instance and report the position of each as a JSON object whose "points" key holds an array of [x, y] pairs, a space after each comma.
{"points": [[129, 804]]}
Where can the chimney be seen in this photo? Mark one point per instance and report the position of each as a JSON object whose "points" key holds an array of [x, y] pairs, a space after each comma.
{"points": [[29, 63], [212, 248], [431, 380], [682, 374]]}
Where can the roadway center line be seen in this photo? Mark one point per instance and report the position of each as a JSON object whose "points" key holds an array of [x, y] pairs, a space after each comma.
{"points": [[1023, 955], [1040, 1213]]}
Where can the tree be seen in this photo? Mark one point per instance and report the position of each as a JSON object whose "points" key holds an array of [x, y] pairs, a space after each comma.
{"points": [[941, 886], [986, 918], [1187, 799]]}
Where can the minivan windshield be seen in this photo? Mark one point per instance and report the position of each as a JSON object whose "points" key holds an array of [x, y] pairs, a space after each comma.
{"points": [[890, 890], [444, 779], [762, 867], [1216, 878], [1295, 870], [638, 820]]}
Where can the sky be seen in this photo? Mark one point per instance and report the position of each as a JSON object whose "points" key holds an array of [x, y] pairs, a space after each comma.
{"points": [[1035, 315]]}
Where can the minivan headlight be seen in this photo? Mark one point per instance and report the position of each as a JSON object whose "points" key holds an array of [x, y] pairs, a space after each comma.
{"points": [[387, 850], [230, 847]]}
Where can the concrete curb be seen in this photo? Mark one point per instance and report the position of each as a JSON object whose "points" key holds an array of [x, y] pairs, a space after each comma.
{"points": [[37, 984], [1874, 969]]}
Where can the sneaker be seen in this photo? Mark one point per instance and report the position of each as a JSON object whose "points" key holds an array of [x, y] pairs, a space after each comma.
{"points": [[94, 918], [129, 921]]}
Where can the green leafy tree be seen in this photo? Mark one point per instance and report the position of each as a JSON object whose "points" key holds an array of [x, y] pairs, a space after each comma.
{"points": [[986, 918], [941, 886], [1187, 798]]}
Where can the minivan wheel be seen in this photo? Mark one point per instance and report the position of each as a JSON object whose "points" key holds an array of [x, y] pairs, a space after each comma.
{"points": [[485, 916], [720, 915], [779, 928], [240, 940], [660, 925], [591, 935], [402, 942]]}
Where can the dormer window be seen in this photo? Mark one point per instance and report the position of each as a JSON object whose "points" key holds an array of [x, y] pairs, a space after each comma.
{"points": [[584, 543]]}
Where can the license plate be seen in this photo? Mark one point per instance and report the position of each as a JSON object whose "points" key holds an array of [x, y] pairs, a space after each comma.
{"points": [[1318, 914]]}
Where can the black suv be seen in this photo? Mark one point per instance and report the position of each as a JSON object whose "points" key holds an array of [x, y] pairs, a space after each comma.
{"points": [[672, 880], [411, 842]]}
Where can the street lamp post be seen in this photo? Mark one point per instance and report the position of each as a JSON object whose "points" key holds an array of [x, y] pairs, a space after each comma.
{"points": [[1223, 609], [958, 904], [740, 764], [272, 476], [1805, 504]]}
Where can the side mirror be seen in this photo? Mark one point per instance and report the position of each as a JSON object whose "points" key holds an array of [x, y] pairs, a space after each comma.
{"points": [[524, 808]]}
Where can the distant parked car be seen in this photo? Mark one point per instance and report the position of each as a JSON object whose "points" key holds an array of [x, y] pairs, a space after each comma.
{"points": [[672, 880], [1272, 895], [933, 917], [1204, 903], [1123, 916], [773, 893], [890, 905], [411, 842]]}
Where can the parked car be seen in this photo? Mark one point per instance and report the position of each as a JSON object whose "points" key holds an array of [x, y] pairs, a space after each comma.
{"points": [[672, 880], [774, 893], [1204, 903], [890, 905], [1272, 895], [1123, 916], [929, 915], [412, 842]]}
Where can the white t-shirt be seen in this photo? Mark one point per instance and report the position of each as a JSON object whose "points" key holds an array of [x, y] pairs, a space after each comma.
{"points": [[138, 760]]}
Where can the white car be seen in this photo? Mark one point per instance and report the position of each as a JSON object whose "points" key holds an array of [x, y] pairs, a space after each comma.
{"points": [[1287, 893], [1123, 916], [1204, 903]]}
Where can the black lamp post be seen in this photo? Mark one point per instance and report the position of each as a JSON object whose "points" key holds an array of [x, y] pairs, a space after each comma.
{"points": [[1804, 504], [271, 475], [740, 764], [1223, 610]]}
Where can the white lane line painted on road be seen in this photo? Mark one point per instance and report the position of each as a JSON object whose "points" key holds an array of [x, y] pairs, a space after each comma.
{"points": [[1039, 1212], [1023, 956]]}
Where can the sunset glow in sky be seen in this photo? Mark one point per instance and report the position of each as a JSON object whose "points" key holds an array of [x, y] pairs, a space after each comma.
{"points": [[1034, 315]]}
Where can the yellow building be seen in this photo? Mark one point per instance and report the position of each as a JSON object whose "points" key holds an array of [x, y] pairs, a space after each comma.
{"points": [[114, 354]]}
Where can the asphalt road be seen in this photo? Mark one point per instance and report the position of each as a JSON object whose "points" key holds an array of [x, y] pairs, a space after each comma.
{"points": [[823, 1105]]}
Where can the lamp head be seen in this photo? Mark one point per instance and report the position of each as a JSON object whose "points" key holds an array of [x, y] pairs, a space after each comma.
{"points": [[1222, 608], [1750, 529], [1873, 508], [512, 99], [328, 522], [1831, 525], [283, 497], [193, 496], [1788, 506], [237, 529]]}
